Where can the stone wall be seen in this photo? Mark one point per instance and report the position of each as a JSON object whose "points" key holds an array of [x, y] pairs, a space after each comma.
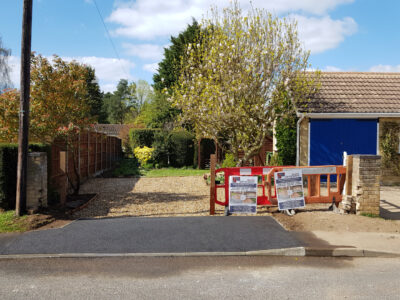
{"points": [[366, 183], [36, 181]]}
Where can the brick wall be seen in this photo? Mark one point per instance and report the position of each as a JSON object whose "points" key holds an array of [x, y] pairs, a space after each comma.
{"points": [[366, 183]]}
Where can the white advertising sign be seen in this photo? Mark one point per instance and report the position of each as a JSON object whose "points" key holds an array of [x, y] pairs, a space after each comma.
{"points": [[243, 194], [289, 189]]}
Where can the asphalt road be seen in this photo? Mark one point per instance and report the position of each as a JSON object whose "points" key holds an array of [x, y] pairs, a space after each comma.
{"points": [[200, 278], [154, 235]]}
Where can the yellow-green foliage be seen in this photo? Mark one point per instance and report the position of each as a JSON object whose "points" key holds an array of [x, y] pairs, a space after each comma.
{"points": [[143, 154], [236, 79]]}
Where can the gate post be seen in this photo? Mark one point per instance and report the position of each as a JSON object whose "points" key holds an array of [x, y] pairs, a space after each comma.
{"points": [[212, 184]]}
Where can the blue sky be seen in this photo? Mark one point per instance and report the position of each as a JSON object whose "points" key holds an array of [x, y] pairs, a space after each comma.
{"points": [[343, 35]]}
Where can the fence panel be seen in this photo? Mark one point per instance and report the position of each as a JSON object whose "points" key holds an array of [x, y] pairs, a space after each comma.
{"points": [[94, 153]]}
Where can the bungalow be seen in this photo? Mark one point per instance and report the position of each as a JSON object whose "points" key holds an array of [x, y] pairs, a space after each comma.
{"points": [[351, 112]]}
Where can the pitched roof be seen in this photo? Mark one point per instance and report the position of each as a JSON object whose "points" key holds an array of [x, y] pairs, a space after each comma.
{"points": [[357, 92]]}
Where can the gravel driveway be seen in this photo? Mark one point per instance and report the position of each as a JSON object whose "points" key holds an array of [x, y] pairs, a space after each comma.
{"points": [[149, 197], [179, 196]]}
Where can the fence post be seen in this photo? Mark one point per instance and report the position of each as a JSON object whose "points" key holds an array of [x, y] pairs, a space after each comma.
{"points": [[79, 154], [349, 177], [212, 183], [95, 152], [88, 154], [101, 153]]}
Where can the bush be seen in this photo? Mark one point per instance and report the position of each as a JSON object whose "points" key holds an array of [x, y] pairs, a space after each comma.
{"points": [[182, 148], [8, 171], [229, 161], [142, 137], [174, 148], [143, 154], [286, 139]]}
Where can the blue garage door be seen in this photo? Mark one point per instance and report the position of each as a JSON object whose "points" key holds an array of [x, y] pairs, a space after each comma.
{"points": [[330, 137]]}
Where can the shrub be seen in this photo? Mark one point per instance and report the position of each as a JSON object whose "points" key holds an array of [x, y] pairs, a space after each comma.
{"points": [[141, 137], [389, 142], [229, 161], [286, 139], [143, 154]]}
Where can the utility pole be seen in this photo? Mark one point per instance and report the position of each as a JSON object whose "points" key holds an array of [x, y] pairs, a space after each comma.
{"points": [[24, 108]]}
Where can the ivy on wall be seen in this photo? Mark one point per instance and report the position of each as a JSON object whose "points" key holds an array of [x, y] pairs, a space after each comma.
{"points": [[389, 143]]}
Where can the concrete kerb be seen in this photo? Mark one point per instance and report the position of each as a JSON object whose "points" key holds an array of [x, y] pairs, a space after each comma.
{"points": [[295, 252], [347, 252]]}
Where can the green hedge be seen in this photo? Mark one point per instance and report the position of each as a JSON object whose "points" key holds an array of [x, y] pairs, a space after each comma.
{"points": [[142, 137], [183, 148], [162, 149], [171, 148], [8, 171]]}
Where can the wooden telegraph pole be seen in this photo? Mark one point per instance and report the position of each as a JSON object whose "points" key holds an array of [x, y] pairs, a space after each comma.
{"points": [[24, 108]]}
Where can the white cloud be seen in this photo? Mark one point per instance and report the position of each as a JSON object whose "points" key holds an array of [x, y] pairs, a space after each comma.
{"points": [[332, 69], [152, 68], [385, 68], [14, 63], [145, 51], [148, 20], [145, 19], [108, 70], [321, 34]]}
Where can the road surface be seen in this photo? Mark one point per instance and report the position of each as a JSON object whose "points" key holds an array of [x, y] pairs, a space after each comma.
{"points": [[200, 278]]}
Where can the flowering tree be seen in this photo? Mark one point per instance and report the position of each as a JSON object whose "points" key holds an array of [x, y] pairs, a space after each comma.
{"points": [[237, 77]]}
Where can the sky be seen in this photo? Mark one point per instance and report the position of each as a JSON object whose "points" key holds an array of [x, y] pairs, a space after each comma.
{"points": [[342, 35]]}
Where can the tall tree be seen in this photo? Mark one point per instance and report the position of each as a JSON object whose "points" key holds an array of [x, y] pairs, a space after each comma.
{"points": [[169, 68], [157, 113], [4, 67], [94, 96], [143, 93], [117, 104], [167, 76], [235, 83], [59, 106]]}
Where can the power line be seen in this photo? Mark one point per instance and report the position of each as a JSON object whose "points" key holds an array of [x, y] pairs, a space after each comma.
{"points": [[110, 39]]}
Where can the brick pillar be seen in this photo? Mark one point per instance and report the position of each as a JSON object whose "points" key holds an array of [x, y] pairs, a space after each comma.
{"points": [[366, 183], [37, 181]]}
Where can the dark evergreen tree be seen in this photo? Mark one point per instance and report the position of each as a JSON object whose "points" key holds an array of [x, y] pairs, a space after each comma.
{"points": [[95, 97], [118, 103], [169, 68]]}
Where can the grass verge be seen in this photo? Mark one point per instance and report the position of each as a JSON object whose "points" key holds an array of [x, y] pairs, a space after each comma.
{"points": [[129, 167], [10, 223]]}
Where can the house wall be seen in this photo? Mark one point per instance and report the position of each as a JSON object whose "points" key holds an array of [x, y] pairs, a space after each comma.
{"points": [[388, 175], [304, 142]]}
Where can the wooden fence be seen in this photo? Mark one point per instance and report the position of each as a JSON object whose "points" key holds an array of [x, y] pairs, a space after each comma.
{"points": [[94, 153]]}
